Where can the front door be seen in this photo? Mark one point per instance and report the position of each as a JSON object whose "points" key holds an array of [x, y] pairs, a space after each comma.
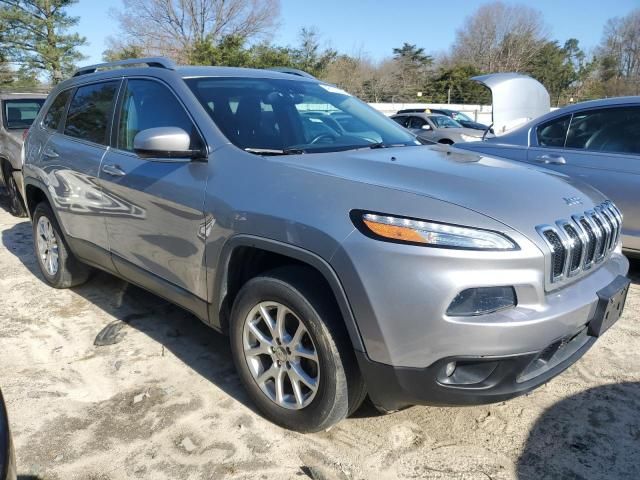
{"points": [[156, 218]]}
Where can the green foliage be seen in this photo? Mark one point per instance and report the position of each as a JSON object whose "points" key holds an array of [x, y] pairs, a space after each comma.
{"points": [[452, 85], [34, 35], [122, 53]]}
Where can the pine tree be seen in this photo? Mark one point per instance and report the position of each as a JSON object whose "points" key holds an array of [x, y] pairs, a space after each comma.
{"points": [[35, 34]]}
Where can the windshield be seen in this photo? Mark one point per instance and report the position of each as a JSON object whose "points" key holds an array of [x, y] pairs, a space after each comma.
{"points": [[20, 113], [444, 122], [276, 116], [461, 116]]}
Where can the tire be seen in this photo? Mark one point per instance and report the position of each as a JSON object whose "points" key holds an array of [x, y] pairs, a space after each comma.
{"points": [[69, 271], [16, 207], [339, 388]]}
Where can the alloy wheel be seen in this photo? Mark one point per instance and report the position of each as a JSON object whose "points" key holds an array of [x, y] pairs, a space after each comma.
{"points": [[47, 245], [281, 355]]}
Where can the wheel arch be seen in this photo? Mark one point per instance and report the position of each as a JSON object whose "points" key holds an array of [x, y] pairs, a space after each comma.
{"points": [[241, 248], [36, 192]]}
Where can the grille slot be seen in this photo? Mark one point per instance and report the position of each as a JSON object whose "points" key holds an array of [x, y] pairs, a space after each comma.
{"points": [[591, 242], [579, 243], [558, 251], [576, 253]]}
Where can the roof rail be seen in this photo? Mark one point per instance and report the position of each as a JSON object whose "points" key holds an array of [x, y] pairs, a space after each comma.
{"points": [[293, 71], [159, 62]]}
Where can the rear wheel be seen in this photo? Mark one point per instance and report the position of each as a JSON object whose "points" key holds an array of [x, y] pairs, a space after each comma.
{"points": [[292, 351], [16, 207], [60, 268]]}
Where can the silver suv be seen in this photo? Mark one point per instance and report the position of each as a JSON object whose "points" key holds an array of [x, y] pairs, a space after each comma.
{"points": [[17, 112], [342, 260]]}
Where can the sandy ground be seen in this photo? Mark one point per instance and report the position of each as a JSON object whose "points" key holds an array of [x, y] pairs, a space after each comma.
{"points": [[165, 403]]}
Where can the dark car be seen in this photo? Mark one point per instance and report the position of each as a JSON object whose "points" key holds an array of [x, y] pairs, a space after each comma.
{"points": [[7, 458]]}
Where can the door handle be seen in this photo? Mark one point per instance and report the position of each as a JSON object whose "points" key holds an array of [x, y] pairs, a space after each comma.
{"points": [[550, 158], [114, 170], [50, 153]]}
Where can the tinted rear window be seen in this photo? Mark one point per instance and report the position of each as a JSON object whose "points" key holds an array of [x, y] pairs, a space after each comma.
{"points": [[20, 113], [614, 130], [56, 110], [90, 112]]}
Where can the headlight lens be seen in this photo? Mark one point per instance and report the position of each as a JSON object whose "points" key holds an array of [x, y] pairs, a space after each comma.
{"points": [[480, 301], [469, 138], [419, 232]]}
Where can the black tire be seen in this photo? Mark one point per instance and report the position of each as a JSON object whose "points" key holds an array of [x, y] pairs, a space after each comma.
{"points": [[70, 271], [16, 207], [341, 388]]}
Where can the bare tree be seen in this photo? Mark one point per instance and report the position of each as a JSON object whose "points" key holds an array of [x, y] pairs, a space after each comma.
{"points": [[174, 27], [619, 54], [500, 37]]}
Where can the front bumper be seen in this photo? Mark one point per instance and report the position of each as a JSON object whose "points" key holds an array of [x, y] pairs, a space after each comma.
{"points": [[393, 388], [472, 380]]}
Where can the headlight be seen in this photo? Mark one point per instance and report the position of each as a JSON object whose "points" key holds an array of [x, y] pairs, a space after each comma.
{"points": [[431, 234], [469, 138]]}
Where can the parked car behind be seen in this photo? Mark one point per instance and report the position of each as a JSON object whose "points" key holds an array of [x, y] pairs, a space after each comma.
{"points": [[7, 456], [596, 142], [343, 264], [17, 112], [438, 128], [462, 118]]}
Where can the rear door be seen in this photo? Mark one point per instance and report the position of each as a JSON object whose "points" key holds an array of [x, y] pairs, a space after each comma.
{"points": [[71, 160], [156, 221], [600, 147]]}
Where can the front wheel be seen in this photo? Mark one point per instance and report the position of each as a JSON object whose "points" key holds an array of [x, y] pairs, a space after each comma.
{"points": [[292, 351]]}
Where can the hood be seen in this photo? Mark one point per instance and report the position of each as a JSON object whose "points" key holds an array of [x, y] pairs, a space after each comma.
{"points": [[473, 125], [517, 195], [516, 99]]}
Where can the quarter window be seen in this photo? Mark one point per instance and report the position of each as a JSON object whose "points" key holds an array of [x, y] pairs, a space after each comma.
{"points": [[149, 104], [90, 112], [613, 130], [554, 132], [56, 110]]}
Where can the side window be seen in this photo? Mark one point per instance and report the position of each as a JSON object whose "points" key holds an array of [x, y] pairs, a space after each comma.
{"points": [[56, 110], [90, 112], [417, 122], [149, 104], [554, 132], [401, 120], [613, 130]]}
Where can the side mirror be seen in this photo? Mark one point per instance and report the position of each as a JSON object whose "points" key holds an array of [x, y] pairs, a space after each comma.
{"points": [[426, 126], [165, 142]]}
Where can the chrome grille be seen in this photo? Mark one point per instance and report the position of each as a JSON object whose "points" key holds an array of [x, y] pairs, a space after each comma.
{"points": [[581, 242]]}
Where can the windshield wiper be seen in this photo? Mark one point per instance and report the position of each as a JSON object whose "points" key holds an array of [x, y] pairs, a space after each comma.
{"points": [[274, 151]]}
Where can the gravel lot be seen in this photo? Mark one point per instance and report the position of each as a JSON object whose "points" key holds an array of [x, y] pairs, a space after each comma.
{"points": [[164, 401]]}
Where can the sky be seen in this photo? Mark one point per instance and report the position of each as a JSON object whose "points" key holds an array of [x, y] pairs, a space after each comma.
{"points": [[376, 27]]}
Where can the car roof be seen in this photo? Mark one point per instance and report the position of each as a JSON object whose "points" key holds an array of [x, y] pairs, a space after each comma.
{"points": [[602, 102], [21, 95], [189, 72]]}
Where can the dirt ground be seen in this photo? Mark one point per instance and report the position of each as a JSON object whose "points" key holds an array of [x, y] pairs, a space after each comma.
{"points": [[164, 401]]}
